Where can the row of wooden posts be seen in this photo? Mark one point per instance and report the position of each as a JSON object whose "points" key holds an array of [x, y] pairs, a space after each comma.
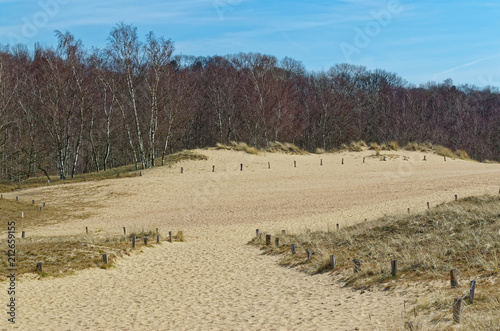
{"points": [[457, 307]]}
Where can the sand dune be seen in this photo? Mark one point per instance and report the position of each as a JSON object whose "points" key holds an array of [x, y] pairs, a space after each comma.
{"points": [[215, 281]]}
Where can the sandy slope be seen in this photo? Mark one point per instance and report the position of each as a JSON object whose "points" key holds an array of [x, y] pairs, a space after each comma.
{"points": [[215, 281]]}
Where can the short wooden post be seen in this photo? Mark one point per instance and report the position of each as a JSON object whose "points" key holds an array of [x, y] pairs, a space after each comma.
{"points": [[394, 268], [428, 205], [213, 168], [384, 157], [157, 238], [170, 236], [457, 310], [256, 233], [17, 199], [342, 160], [295, 164], [321, 162], [471, 292], [277, 240], [241, 166], [332, 261], [292, 247], [309, 253], [118, 175], [453, 278], [283, 232], [357, 265], [44, 205], [268, 165], [87, 229], [268, 239], [40, 208], [337, 227], [22, 234], [133, 241], [33, 202], [39, 267], [363, 159], [145, 241], [140, 173], [456, 197], [124, 231], [445, 158], [408, 210], [182, 170], [105, 258]]}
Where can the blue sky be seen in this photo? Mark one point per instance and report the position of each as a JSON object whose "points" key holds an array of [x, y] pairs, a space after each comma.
{"points": [[419, 40]]}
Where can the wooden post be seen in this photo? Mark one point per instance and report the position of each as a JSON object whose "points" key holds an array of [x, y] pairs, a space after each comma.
{"points": [[145, 241], [363, 159], [140, 173], [332, 261], [293, 248], [357, 265], [457, 310], [456, 197], [157, 238], [295, 164], [309, 253], [321, 162], [342, 160], [268, 165], [471, 292], [44, 205], [124, 231], [453, 278], [268, 239], [105, 258], [394, 268], [87, 229], [337, 227], [39, 267], [40, 208], [213, 168], [133, 241], [170, 236], [17, 199], [241, 166], [22, 234], [118, 175], [428, 205], [256, 233], [425, 158], [277, 240], [33, 202], [408, 210], [182, 170], [384, 157], [445, 159]]}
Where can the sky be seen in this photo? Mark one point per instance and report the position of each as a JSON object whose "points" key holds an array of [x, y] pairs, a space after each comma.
{"points": [[421, 41]]}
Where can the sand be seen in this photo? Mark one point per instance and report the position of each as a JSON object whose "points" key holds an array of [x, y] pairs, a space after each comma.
{"points": [[215, 281]]}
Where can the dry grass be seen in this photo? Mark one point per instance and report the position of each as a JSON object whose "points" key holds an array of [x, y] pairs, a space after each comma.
{"points": [[355, 146], [124, 171], [319, 151], [239, 146], [287, 148], [461, 235]]}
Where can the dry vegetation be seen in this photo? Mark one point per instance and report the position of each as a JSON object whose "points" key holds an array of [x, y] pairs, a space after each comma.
{"points": [[462, 235], [124, 171], [273, 147]]}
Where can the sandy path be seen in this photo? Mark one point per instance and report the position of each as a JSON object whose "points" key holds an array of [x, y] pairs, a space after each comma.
{"points": [[215, 281]]}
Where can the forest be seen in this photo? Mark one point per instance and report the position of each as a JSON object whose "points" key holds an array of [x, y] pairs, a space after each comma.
{"points": [[68, 109]]}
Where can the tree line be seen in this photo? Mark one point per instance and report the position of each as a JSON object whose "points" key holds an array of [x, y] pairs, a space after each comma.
{"points": [[67, 109]]}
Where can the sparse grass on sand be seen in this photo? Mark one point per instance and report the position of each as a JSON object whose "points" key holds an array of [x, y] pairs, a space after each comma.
{"points": [[273, 147], [124, 171], [63, 255], [461, 235]]}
